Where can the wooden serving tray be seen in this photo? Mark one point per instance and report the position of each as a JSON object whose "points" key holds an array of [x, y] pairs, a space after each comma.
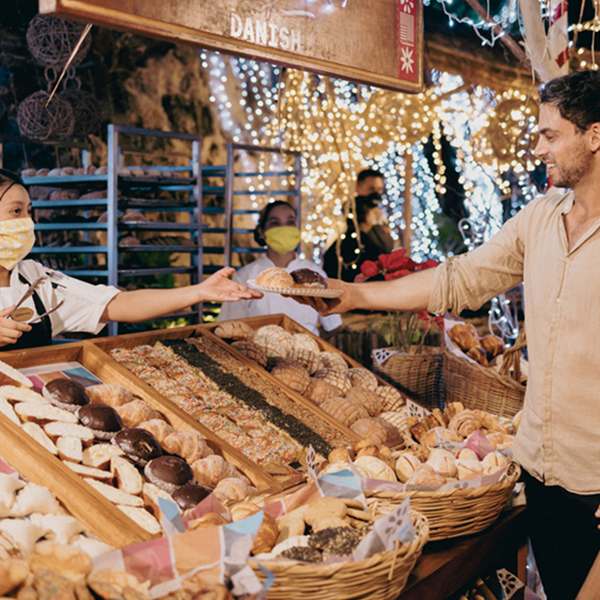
{"points": [[36, 464], [134, 339], [293, 327]]}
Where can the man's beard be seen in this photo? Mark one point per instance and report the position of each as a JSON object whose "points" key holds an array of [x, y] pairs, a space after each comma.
{"points": [[570, 176]]}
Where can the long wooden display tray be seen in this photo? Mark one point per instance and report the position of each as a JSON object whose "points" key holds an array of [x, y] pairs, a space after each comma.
{"points": [[293, 327], [36, 464], [135, 339]]}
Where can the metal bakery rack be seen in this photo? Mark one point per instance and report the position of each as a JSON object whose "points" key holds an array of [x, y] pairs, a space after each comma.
{"points": [[162, 221]]}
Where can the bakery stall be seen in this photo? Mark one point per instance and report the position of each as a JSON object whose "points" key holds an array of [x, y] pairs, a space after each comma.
{"points": [[177, 434], [243, 457]]}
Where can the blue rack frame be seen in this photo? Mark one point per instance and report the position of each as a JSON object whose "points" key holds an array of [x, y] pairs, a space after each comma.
{"points": [[226, 196]]}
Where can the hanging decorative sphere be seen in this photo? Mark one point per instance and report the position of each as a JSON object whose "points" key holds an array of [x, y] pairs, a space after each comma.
{"points": [[51, 40], [86, 110], [42, 123]]}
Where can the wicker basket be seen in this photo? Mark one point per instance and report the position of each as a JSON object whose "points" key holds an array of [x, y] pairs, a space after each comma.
{"points": [[419, 374], [485, 388], [454, 513], [380, 577]]}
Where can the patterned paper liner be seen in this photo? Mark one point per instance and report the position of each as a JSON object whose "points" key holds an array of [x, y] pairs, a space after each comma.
{"points": [[302, 292]]}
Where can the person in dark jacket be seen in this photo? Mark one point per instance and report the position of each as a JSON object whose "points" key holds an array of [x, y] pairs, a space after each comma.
{"points": [[373, 237]]}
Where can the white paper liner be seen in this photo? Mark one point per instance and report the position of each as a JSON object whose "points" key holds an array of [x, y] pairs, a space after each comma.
{"points": [[303, 292]]}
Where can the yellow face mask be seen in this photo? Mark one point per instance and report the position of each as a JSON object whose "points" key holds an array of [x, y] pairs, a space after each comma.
{"points": [[16, 241], [283, 239]]}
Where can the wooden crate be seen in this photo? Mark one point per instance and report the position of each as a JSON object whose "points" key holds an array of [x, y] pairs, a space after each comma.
{"points": [[293, 327], [149, 337], [36, 464]]}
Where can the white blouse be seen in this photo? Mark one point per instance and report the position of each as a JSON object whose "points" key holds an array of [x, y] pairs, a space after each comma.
{"points": [[271, 304], [83, 306]]}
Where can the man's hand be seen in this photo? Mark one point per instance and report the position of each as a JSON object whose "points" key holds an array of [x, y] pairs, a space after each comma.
{"points": [[220, 288], [11, 331], [326, 306]]}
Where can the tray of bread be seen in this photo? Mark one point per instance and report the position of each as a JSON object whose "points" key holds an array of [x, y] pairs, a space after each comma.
{"points": [[302, 282], [104, 438]]}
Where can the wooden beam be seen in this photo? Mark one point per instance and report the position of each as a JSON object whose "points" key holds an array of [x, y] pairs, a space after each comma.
{"points": [[407, 208], [504, 38]]}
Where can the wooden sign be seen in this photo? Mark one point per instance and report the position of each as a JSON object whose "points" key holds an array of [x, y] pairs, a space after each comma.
{"points": [[373, 41]]}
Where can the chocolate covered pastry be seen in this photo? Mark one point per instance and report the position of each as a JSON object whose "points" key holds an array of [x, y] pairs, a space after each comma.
{"points": [[66, 394], [308, 278]]}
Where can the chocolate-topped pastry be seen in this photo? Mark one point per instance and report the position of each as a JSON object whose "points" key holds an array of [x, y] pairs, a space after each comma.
{"points": [[168, 472], [190, 495], [66, 393], [308, 278], [138, 444], [102, 419]]}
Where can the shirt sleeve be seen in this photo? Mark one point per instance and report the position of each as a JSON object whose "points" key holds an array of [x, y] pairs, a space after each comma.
{"points": [[83, 303], [470, 280]]}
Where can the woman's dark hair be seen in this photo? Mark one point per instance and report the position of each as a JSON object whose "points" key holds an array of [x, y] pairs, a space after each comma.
{"points": [[577, 97], [263, 217], [11, 178]]}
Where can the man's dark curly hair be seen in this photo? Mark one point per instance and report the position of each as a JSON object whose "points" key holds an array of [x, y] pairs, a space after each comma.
{"points": [[577, 97]]}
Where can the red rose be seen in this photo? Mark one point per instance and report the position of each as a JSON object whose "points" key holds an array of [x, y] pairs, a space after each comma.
{"points": [[369, 268], [428, 264], [389, 262]]}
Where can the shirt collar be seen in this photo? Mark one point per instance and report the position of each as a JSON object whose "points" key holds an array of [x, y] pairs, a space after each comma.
{"points": [[567, 202]]}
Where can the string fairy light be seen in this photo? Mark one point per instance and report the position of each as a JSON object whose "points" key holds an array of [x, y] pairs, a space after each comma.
{"points": [[340, 127]]}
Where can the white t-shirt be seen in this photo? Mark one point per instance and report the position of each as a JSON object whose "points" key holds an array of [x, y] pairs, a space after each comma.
{"points": [[272, 304], [83, 305]]}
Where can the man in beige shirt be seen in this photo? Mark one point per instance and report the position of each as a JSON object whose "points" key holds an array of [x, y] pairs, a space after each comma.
{"points": [[553, 245]]}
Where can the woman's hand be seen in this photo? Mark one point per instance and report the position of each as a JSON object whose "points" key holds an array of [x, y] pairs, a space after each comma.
{"points": [[11, 331], [220, 288]]}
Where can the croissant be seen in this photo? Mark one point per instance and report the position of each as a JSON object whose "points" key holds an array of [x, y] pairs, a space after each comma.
{"points": [[493, 345], [464, 336], [210, 470], [190, 445], [465, 423], [266, 536], [135, 412], [232, 489], [159, 428], [113, 395], [479, 356]]}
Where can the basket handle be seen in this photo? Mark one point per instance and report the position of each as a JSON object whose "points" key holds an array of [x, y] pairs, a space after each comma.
{"points": [[511, 359]]}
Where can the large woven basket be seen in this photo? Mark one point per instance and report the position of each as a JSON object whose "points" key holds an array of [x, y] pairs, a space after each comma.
{"points": [[485, 388], [453, 513], [380, 577], [419, 374]]}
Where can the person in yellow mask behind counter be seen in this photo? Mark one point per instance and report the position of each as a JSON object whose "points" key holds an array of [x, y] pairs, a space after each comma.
{"points": [[277, 230], [50, 302]]}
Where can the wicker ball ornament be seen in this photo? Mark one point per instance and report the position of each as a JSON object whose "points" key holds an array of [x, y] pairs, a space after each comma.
{"points": [[86, 111], [51, 40], [40, 122]]}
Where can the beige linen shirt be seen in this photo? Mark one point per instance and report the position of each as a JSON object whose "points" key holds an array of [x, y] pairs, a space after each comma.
{"points": [[559, 438]]}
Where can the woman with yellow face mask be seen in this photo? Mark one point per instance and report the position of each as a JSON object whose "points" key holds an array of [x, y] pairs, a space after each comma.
{"points": [[278, 231], [58, 303]]}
